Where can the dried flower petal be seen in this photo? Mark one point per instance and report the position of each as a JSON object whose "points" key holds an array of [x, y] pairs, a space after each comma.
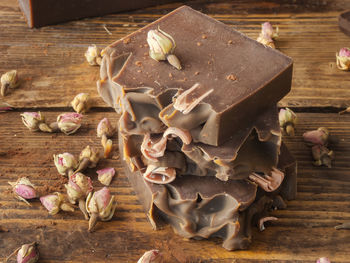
{"points": [[343, 59], [9, 80], [28, 253], [267, 29], [287, 120], [81, 103], [32, 120], [151, 256], [162, 47], [106, 175], [54, 203], [319, 136], [65, 162], [23, 189], [69, 123], [93, 55], [101, 206]]}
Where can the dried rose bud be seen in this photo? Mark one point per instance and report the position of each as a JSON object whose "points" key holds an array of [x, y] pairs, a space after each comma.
{"points": [[267, 30], [344, 111], [65, 163], [81, 103], [343, 59], [322, 155], [34, 121], [4, 106], [55, 202], [93, 55], [345, 225], [104, 131], [69, 123], [323, 260], [162, 47], [106, 175], [88, 157], [23, 189], [151, 256], [287, 119], [9, 80], [319, 136], [28, 253], [100, 206], [78, 187]]}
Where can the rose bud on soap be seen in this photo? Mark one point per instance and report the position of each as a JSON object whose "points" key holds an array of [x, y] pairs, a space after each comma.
{"points": [[88, 157], [65, 163], [106, 175], [81, 103], [34, 121], [101, 206], [343, 59], [69, 123], [55, 202], [78, 187], [105, 130], [151, 256], [23, 189]]}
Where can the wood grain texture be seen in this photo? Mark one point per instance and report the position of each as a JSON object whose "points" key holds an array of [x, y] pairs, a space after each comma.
{"points": [[52, 58], [304, 231]]}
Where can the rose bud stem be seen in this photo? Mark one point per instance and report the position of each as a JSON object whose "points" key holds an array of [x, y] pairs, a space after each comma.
{"points": [[54, 126], [84, 163], [66, 207], [92, 221], [345, 225], [290, 129], [44, 127]]}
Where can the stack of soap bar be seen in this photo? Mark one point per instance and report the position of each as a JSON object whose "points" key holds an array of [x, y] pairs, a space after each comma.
{"points": [[217, 168], [40, 13]]}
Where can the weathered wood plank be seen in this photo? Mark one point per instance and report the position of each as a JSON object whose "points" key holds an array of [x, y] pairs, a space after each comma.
{"points": [[51, 58], [304, 231]]}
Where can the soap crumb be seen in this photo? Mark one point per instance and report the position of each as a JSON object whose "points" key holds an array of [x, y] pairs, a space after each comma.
{"points": [[199, 44], [231, 77], [210, 62], [170, 75], [139, 71], [196, 73], [126, 41], [138, 63], [204, 36], [230, 42]]}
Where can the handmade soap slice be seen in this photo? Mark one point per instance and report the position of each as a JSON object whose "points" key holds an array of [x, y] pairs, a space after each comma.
{"points": [[203, 207], [344, 22], [238, 76], [46, 12]]}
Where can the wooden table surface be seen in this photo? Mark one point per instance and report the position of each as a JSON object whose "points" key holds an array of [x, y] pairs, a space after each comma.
{"points": [[51, 63]]}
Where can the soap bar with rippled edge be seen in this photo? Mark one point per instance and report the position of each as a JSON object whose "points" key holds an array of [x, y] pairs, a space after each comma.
{"points": [[344, 22]]}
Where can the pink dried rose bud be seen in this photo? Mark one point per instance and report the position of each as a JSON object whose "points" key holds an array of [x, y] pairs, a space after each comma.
{"points": [[28, 253], [323, 260], [105, 175], [55, 202], [267, 30], [287, 119], [88, 157], [34, 121], [78, 187], [162, 47], [81, 103], [151, 256], [23, 189], [65, 163], [101, 206], [322, 156], [93, 55], [343, 59], [9, 80], [319, 136], [69, 122]]}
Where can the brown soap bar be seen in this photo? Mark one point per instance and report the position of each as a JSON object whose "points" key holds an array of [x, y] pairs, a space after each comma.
{"points": [[202, 207], [245, 77], [344, 22], [46, 12]]}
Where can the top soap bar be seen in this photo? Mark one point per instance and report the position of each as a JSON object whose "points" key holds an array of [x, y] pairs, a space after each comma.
{"points": [[246, 76]]}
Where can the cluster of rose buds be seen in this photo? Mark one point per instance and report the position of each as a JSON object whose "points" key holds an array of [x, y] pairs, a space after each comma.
{"points": [[9, 80], [101, 206], [323, 260], [78, 187], [67, 123], [105, 176], [27, 253], [319, 140], [55, 202], [23, 189], [267, 35], [162, 47], [343, 59], [151, 256], [81, 103], [287, 119], [105, 130], [93, 55]]}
